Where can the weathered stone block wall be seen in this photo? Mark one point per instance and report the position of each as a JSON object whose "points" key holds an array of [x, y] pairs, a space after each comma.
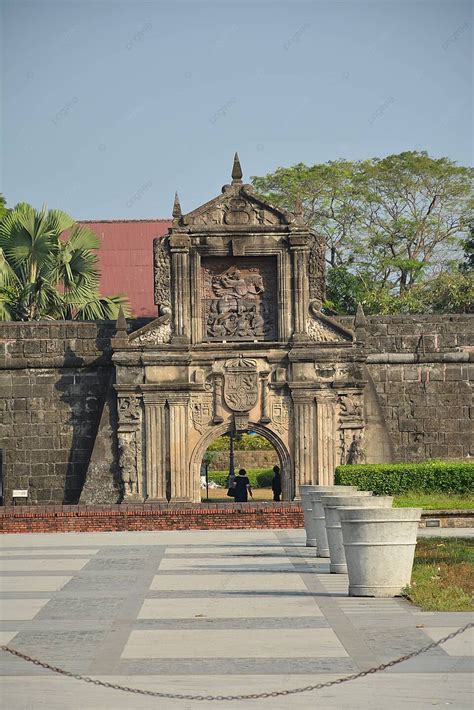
{"points": [[56, 419], [53, 382], [422, 369]]}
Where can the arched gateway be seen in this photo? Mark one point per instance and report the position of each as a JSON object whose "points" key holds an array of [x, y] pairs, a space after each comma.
{"points": [[240, 341]]}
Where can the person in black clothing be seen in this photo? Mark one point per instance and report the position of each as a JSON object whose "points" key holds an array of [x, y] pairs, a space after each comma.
{"points": [[242, 486], [276, 483]]}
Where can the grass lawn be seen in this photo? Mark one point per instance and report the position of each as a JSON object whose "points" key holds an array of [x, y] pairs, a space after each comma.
{"points": [[433, 501], [443, 574]]}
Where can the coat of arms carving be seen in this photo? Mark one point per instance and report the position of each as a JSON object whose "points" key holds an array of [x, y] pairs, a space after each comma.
{"points": [[240, 384]]}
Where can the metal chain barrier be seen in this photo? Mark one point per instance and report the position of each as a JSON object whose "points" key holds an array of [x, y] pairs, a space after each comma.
{"points": [[250, 696]]}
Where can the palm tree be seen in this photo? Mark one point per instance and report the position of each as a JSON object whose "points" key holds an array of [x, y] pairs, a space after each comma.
{"points": [[46, 276]]}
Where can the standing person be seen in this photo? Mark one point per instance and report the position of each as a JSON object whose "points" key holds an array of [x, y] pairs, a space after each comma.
{"points": [[276, 484], [242, 486]]}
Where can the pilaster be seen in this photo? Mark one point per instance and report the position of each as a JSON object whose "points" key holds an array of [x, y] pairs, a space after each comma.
{"points": [[179, 247], [326, 438], [157, 443]]}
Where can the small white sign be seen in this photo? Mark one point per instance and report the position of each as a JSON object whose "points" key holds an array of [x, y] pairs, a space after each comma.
{"points": [[19, 493]]}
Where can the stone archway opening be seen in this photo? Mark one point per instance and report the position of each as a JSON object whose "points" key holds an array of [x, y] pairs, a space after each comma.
{"points": [[245, 449], [272, 452]]}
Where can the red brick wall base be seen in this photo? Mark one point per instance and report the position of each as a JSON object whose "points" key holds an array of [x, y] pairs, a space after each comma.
{"points": [[69, 518], [220, 516]]}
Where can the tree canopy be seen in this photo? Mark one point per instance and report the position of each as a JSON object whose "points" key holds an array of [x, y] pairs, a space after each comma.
{"points": [[49, 268], [394, 229]]}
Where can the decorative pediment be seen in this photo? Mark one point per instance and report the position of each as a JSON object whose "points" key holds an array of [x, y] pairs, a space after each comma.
{"points": [[237, 208], [323, 329], [157, 332]]}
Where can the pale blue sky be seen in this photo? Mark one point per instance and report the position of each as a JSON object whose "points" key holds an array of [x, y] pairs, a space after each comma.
{"points": [[108, 107]]}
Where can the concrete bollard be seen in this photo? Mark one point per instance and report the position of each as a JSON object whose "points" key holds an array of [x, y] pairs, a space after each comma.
{"points": [[379, 544], [308, 514], [319, 525], [332, 504]]}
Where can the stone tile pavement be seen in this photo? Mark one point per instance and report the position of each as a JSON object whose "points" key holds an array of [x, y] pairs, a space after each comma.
{"points": [[218, 612]]}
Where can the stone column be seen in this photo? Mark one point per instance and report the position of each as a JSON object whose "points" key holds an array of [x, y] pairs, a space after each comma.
{"points": [[326, 438], [299, 249], [156, 446], [179, 246], [182, 485], [303, 440]]}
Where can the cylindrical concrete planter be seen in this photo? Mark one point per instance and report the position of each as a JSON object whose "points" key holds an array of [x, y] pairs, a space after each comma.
{"points": [[331, 504], [319, 524], [379, 544], [308, 514]]}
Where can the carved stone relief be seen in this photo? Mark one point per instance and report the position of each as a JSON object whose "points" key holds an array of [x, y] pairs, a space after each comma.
{"points": [[162, 275], [319, 332], [316, 269], [128, 409], [281, 408], [240, 384], [351, 404], [200, 413], [355, 453], [351, 423], [239, 298], [128, 452], [232, 211], [158, 335]]}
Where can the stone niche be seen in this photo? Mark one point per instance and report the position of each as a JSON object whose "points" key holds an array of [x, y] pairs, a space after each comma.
{"points": [[239, 343]]}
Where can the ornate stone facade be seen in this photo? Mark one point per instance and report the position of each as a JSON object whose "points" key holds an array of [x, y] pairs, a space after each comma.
{"points": [[239, 343]]}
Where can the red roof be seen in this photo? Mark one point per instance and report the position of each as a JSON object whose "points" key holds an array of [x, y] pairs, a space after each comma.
{"points": [[126, 259]]}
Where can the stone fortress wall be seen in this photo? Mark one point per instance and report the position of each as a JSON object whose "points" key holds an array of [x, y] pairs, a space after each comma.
{"points": [[58, 410]]}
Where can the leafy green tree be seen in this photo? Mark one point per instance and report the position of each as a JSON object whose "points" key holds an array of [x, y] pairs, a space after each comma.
{"points": [[468, 247], [244, 442], [47, 275], [389, 224]]}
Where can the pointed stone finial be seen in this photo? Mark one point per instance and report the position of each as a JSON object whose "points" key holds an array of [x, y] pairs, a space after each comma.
{"points": [[121, 325], [236, 171], [360, 319], [177, 213], [360, 324], [298, 210]]}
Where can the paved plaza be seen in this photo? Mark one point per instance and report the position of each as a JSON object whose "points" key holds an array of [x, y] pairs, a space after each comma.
{"points": [[219, 612]]}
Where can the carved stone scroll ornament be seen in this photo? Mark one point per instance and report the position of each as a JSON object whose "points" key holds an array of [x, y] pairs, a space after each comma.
{"points": [[127, 445], [156, 335], [240, 384]]}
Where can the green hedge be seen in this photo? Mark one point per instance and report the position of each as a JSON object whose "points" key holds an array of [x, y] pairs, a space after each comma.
{"points": [[393, 479], [258, 477]]}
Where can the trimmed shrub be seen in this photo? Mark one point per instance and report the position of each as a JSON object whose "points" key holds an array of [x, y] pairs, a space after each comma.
{"points": [[258, 477], [393, 479]]}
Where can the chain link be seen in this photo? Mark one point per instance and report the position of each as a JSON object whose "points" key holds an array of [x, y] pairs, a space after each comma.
{"points": [[250, 696]]}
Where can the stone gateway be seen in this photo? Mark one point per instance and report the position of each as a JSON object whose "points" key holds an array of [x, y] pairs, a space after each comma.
{"points": [[240, 343], [94, 413]]}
